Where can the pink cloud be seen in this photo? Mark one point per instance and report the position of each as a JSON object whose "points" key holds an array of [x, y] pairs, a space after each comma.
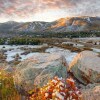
{"points": [[23, 8]]}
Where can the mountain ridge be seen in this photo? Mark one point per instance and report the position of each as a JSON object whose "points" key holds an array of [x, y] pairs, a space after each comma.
{"points": [[83, 23]]}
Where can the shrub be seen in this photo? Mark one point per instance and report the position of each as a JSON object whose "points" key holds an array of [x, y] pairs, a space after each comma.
{"points": [[56, 89], [87, 48]]}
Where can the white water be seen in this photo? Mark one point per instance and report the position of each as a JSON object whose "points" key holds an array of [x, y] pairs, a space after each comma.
{"points": [[17, 50], [96, 50]]}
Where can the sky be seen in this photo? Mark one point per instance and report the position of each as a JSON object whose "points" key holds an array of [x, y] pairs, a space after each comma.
{"points": [[46, 10]]}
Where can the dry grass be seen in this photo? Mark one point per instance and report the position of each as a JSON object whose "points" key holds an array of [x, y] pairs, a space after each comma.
{"points": [[7, 88]]}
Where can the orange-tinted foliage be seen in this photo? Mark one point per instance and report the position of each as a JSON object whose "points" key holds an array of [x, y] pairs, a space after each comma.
{"points": [[57, 89]]}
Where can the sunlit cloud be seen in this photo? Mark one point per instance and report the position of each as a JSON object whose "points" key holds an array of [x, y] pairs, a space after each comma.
{"points": [[46, 10]]}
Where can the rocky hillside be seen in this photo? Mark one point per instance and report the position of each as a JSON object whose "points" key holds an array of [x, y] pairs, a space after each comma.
{"points": [[7, 26], [77, 24], [61, 25]]}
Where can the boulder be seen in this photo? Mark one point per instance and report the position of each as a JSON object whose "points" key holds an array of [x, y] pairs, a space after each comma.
{"points": [[66, 53], [86, 67], [38, 70]]}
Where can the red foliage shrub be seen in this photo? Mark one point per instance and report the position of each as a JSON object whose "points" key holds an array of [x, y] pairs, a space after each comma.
{"points": [[57, 89]]}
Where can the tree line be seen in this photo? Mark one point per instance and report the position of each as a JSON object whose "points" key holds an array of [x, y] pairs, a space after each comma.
{"points": [[19, 41], [36, 39]]}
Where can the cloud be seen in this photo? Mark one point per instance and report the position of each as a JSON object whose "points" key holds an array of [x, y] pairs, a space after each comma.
{"points": [[23, 9]]}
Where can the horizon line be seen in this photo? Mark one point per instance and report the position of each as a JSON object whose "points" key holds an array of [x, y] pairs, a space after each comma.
{"points": [[45, 21]]}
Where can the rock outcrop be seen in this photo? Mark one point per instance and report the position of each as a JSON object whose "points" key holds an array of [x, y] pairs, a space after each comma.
{"points": [[38, 70], [86, 67]]}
